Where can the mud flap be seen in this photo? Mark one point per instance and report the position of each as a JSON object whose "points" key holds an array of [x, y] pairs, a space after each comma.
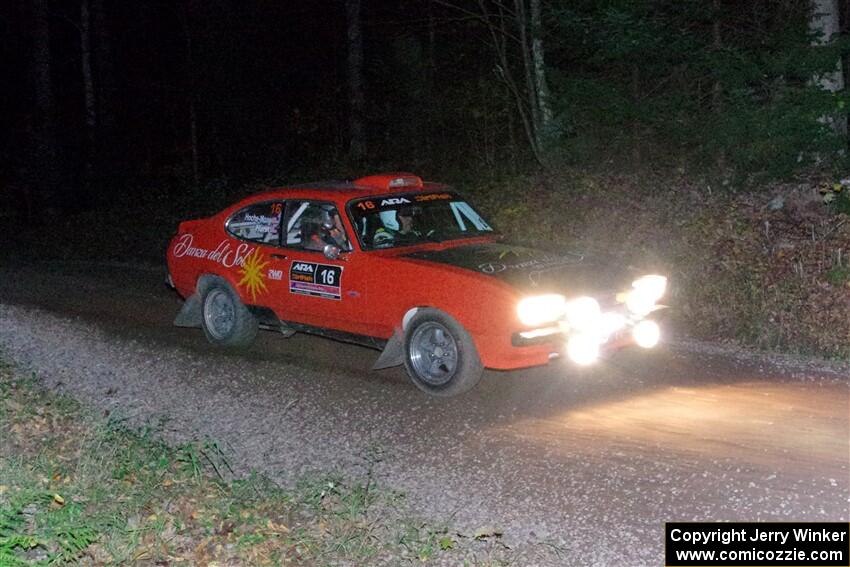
{"points": [[393, 353], [190, 314]]}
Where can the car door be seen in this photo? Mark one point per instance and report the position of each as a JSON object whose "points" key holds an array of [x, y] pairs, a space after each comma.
{"points": [[314, 289]]}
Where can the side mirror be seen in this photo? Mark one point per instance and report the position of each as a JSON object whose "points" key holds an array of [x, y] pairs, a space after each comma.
{"points": [[331, 252]]}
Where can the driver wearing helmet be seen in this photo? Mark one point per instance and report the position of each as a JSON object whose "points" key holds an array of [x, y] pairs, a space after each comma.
{"points": [[320, 228], [405, 231], [406, 221]]}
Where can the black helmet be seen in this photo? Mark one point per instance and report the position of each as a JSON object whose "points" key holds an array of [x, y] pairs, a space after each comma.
{"points": [[408, 211]]}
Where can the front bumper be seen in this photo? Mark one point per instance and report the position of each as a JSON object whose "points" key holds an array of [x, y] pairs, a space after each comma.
{"points": [[554, 339]]}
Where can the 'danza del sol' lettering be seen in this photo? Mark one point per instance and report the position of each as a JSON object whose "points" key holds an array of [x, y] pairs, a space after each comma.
{"points": [[224, 254]]}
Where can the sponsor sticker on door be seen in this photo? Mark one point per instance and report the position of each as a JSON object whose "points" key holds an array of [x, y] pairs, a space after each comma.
{"points": [[317, 280]]}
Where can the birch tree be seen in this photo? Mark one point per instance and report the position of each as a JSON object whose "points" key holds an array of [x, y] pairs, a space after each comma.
{"points": [[824, 24], [541, 85], [515, 34]]}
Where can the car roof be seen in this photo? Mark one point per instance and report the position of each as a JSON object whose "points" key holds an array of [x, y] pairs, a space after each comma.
{"points": [[344, 190]]}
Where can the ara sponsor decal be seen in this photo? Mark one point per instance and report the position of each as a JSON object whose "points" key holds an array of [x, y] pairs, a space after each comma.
{"points": [[317, 280], [304, 267], [252, 274], [394, 201], [225, 253]]}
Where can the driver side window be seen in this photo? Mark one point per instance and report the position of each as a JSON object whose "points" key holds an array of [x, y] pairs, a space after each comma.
{"points": [[311, 225]]}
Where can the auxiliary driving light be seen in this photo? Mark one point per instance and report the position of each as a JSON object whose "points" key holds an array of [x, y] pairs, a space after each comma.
{"points": [[539, 309], [646, 291], [583, 349], [646, 334], [583, 313]]}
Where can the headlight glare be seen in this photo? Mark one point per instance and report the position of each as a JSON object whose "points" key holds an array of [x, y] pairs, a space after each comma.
{"points": [[583, 349], [646, 291], [646, 334], [583, 313], [540, 309]]}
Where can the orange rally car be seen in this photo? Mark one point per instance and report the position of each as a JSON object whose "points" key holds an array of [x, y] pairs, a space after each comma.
{"points": [[408, 267]]}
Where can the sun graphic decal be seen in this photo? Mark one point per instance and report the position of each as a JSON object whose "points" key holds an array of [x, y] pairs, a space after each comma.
{"points": [[252, 273]]}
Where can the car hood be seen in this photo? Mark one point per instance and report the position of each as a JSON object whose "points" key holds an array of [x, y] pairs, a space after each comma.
{"points": [[534, 271]]}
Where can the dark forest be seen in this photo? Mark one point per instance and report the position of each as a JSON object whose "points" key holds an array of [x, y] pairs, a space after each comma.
{"points": [[424, 282], [103, 94]]}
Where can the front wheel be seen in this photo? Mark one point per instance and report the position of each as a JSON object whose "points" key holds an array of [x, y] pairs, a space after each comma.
{"points": [[440, 357], [226, 320]]}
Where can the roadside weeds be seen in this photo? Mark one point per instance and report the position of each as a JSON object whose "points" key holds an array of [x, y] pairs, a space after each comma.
{"points": [[83, 489]]}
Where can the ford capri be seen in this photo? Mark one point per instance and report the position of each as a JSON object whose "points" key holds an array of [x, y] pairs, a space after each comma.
{"points": [[407, 267]]}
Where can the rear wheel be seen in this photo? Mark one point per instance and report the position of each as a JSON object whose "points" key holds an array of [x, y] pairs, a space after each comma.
{"points": [[226, 320], [440, 356]]}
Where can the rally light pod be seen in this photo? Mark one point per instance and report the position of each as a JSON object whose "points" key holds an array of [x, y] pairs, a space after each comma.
{"points": [[391, 181]]}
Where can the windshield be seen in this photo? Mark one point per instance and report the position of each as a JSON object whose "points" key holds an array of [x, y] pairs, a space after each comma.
{"points": [[413, 218]]}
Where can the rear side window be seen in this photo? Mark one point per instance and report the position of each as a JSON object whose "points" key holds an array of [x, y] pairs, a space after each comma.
{"points": [[257, 223]]}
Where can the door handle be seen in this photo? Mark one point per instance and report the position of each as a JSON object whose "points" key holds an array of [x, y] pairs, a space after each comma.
{"points": [[279, 256]]}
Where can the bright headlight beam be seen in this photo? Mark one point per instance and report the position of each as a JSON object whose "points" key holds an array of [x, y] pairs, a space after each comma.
{"points": [[646, 334], [652, 286], [583, 313], [583, 349], [645, 293], [540, 309]]}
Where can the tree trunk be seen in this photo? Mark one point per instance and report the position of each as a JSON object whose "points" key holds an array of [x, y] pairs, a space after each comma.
{"points": [[88, 88], [356, 98], [500, 37], [528, 68], [45, 156], [547, 122], [825, 23], [104, 72], [186, 20]]}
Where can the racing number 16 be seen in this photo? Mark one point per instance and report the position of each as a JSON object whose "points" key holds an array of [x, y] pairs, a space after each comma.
{"points": [[327, 276]]}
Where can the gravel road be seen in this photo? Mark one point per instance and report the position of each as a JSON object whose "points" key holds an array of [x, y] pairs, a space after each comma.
{"points": [[575, 468]]}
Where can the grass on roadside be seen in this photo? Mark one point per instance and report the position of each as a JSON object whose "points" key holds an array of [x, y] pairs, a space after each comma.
{"points": [[76, 488]]}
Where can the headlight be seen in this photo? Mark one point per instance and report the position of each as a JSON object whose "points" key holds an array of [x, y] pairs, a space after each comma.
{"points": [[646, 334], [646, 291], [583, 313], [583, 349], [540, 309]]}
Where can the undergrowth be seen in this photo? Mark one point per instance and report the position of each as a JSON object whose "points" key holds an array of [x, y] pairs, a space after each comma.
{"points": [[82, 489]]}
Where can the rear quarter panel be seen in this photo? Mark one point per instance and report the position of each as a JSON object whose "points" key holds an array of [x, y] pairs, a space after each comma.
{"points": [[203, 247]]}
